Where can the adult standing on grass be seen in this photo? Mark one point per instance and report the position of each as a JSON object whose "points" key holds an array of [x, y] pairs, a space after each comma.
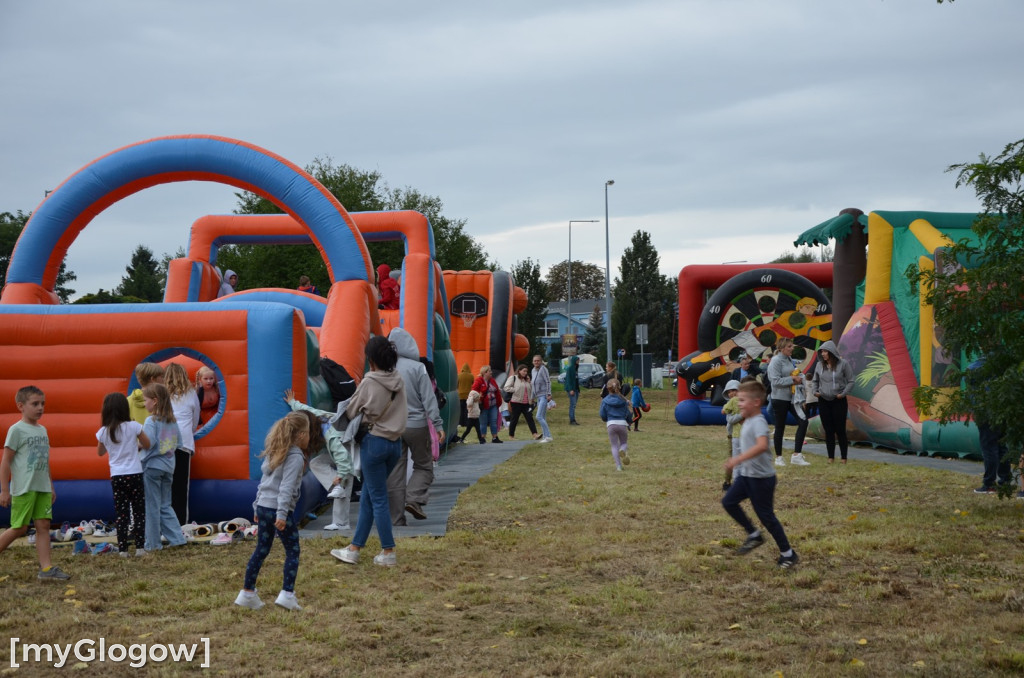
{"points": [[831, 383], [521, 386], [993, 450], [465, 386], [490, 401], [756, 479], [572, 387], [541, 382], [782, 378], [412, 494], [380, 399]]}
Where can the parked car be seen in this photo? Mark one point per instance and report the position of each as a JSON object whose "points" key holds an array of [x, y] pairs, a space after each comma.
{"points": [[668, 370], [590, 375]]}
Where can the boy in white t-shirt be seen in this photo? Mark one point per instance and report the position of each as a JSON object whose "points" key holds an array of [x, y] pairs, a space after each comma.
{"points": [[756, 479], [25, 483]]}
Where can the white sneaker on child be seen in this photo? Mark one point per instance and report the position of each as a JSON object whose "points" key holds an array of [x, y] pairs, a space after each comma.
{"points": [[798, 460], [287, 600], [336, 492], [249, 599]]}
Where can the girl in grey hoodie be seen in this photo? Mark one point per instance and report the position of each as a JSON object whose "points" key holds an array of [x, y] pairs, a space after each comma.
{"points": [[831, 383]]}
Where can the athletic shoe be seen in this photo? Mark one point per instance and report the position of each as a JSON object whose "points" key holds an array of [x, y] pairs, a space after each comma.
{"points": [[346, 555], [336, 492], [547, 439], [779, 461], [574, 423], [798, 460], [786, 562], [542, 440], [54, 573], [104, 530], [85, 528], [82, 548], [497, 440], [236, 525], [750, 544], [104, 547], [249, 599], [385, 559], [985, 489], [287, 600], [250, 532], [416, 511], [189, 531], [336, 526], [625, 459], [31, 535], [225, 538]]}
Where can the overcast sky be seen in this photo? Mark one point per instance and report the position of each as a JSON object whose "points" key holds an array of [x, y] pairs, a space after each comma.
{"points": [[728, 126]]}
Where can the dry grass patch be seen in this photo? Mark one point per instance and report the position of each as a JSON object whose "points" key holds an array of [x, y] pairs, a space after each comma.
{"points": [[557, 565]]}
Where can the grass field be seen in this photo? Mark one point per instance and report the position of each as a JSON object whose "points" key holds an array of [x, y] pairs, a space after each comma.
{"points": [[557, 565]]}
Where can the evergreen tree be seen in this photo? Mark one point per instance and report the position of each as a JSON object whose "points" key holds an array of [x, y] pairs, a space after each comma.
{"points": [[143, 279], [595, 340], [642, 296]]}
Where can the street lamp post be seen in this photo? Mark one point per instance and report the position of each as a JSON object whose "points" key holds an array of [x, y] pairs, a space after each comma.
{"points": [[607, 274], [568, 301]]}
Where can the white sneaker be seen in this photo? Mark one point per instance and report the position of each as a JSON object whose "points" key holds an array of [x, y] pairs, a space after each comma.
{"points": [[385, 559], [336, 492], [547, 439], [249, 599], [346, 555], [542, 440], [798, 460], [336, 526], [779, 461], [287, 600]]}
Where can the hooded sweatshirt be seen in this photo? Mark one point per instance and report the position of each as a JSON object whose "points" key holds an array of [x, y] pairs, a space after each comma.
{"points": [[225, 286], [465, 382], [419, 390], [829, 384], [380, 398], [571, 381]]}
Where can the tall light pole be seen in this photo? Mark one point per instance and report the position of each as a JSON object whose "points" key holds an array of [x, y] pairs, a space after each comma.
{"points": [[568, 301], [607, 273]]}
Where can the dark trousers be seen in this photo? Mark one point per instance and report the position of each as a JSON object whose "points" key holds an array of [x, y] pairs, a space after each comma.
{"points": [[780, 409], [833, 420], [130, 507], [516, 409], [637, 415], [265, 519], [472, 426], [761, 492], [179, 485], [993, 454]]}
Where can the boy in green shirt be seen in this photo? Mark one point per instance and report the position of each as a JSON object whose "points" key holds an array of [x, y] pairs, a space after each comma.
{"points": [[25, 484]]}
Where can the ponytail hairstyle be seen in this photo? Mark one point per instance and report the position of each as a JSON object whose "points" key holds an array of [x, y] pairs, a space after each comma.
{"points": [[176, 380], [163, 411], [382, 353], [282, 437], [316, 434], [114, 413]]}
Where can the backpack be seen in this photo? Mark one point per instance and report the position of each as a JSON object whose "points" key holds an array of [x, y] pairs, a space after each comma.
{"points": [[339, 381]]}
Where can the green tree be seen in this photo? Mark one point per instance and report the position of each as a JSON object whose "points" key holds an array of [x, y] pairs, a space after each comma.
{"points": [[11, 226], [805, 255], [526, 275], [358, 191], [587, 281], [642, 296], [595, 340], [104, 297], [978, 297], [143, 279]]}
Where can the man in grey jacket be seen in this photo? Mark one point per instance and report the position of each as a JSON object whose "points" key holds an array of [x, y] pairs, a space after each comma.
{"points": [[421, 404]]}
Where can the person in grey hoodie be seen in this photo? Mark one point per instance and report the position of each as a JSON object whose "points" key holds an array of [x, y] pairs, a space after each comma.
{"points": [[421, 406], [831, 383], [782, 378], [227, 285]]}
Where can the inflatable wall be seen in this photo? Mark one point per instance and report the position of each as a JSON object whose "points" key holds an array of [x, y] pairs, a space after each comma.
{"points": [[891, 339]]}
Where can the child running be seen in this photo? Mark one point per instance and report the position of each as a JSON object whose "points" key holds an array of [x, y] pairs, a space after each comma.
{"points": [[615, 412], [639, 404], [185, 404], [756, 479], [283, 465], [733, 426], [25, 484], [158, 468], [119, 437]]}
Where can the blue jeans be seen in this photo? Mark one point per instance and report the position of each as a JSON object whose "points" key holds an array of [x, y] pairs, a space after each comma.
{"points": [[160, 518], [379, 456], [542, 415], [572, 405], [489, 417], [761, 492], [266, 517], [993, 453]]}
